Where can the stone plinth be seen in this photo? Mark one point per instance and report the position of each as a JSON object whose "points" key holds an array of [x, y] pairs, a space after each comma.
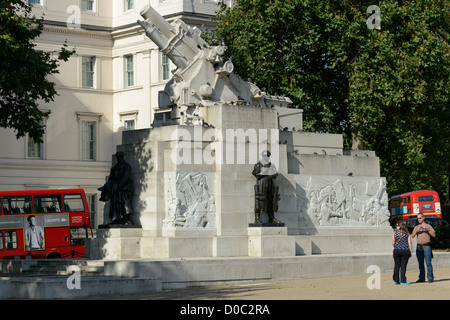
{"points": [[270, 242], [115, 244], [341, 240], [194, 191]]}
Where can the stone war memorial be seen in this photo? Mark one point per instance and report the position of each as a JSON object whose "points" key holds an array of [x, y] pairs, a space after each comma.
{"points": [[204, 184]]}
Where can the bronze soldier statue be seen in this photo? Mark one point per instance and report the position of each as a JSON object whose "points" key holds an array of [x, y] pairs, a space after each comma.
{"points": [[118, 191], [266, 192]]}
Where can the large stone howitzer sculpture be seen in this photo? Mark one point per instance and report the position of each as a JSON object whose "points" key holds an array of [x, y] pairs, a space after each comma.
{"points": [[202, 78]]}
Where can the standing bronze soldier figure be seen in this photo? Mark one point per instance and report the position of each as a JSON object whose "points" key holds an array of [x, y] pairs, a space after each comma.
{"points": [[266, 192], [118, 191]]}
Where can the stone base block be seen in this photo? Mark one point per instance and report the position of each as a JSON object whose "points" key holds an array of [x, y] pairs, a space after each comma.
{"points": [[233, 246], [267, 231], [171, 247], [335, 240], [119, 233], [114, 244], [303, 245], [270, 242]]}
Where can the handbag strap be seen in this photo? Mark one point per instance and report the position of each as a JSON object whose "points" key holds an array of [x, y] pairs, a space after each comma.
{"points": [[402, 234]]}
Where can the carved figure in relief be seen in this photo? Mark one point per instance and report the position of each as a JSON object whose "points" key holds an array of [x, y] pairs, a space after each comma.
{"points": [[376, 213], [334, 205], [191, 206]]}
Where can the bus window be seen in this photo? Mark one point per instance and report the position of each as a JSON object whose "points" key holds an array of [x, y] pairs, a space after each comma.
{"points": [[1, 240], [73, 203], [11, 240], [426, 199], [16, 204], [47, 203]]}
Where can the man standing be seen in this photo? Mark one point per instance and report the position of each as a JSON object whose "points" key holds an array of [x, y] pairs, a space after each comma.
{"points": [[34, 235], [424, 233]]}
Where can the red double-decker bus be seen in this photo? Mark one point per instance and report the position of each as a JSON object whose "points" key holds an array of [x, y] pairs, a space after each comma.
{"points": [[43, 223], [408, 205]]}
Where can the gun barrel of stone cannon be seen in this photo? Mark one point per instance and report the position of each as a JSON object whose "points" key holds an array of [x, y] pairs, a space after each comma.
{"points": [[163, 26], [167, 37]]}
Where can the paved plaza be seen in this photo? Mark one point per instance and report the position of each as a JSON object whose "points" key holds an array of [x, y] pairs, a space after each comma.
{"points": [[334, 288]]}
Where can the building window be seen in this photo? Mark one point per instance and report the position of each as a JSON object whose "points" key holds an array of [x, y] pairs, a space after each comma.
{"points": [[88, 72], [89, 123], [129, 5], [87, 5], [129, 125], [34, 149], [129, 71], [165, 74], [92, 205], [129, 119], [88, 140], [34, 2]]}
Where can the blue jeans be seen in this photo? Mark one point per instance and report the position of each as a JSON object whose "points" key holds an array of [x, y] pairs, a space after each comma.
{"points": [[424, 254]]}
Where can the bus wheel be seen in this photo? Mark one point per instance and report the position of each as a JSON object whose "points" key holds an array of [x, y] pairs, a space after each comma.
{"points": [[54, 255]]}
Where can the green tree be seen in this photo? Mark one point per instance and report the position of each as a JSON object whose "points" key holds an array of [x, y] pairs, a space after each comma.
{"points": [[24, 70], [384, 89]]}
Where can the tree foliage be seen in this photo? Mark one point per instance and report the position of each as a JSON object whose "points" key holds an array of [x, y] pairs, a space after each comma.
{"points": [[387, 88], [24, 70]]}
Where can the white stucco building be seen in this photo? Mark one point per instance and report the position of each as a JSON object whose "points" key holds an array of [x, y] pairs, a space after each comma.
{"points": [[111, 84]]}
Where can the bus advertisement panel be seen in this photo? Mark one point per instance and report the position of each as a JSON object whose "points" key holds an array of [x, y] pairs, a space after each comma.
{"points": [[43, 223]]}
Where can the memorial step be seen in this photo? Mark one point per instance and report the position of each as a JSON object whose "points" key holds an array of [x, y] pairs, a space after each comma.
{"points": [[65, 287], [60, 267]]}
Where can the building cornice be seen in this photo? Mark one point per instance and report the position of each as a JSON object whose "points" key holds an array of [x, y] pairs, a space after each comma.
{"points": [[107, 33], [58, 27]]}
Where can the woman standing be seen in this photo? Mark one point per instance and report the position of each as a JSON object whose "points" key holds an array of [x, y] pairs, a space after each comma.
{"points": [[401, 240]]}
